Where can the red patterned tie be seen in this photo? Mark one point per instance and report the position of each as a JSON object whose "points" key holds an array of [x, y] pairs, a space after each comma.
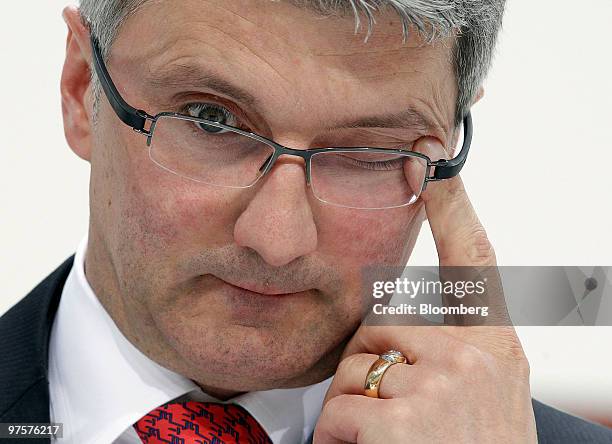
{"points": [[192, 422]]}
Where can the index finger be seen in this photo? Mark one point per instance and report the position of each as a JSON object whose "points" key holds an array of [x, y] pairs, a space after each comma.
{"points": [[464, 250], [459, 236]]}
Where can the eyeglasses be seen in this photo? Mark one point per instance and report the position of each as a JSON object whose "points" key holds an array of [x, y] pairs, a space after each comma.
{"points": [[210, 152]]}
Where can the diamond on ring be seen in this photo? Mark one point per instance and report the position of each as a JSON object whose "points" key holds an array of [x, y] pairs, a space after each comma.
{"points": [[378, 369], [392, 356]]}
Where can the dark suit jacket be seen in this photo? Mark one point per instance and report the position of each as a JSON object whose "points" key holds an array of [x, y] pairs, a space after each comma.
{"points": [[24, 387]]}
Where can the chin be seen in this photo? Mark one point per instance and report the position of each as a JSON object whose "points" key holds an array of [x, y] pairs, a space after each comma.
{"points": [[250, 357]]}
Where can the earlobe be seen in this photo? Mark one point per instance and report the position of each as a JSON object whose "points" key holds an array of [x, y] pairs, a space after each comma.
{"points": [[479, 95], [75, 86]]}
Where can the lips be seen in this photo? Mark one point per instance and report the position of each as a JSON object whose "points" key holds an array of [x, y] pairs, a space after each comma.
{"points": [[267, 290]]}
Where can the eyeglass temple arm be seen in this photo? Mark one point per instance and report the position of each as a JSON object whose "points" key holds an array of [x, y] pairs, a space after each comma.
{"points": [[445, 169], [129, 115]]}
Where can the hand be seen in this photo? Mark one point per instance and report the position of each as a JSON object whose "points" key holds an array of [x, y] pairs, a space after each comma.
{"points": [[465, 384]]}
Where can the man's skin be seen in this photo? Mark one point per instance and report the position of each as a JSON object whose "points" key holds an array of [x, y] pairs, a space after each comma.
{"points": [[163, 250]]}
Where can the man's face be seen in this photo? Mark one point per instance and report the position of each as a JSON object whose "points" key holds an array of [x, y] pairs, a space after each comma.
{"points": [[171, 258]]}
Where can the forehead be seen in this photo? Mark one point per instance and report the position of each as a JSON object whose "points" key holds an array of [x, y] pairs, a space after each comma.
{"points": [[290, 53]]}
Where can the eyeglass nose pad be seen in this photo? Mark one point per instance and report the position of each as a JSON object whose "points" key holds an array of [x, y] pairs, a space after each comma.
{"points": [[266, 163]]}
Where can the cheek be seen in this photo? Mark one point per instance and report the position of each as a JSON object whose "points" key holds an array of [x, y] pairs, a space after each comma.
{"points": [[175, 214], [153, 213], [371, 237]]}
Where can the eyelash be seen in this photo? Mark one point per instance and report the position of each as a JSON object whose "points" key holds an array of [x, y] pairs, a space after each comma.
{"points": [[384, 165], [195, 109]]}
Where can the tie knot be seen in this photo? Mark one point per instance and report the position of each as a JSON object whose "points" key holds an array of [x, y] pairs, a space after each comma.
{"points": [[192, 422]]}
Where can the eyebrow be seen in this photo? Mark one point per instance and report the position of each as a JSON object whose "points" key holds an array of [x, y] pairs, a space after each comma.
{"points": [[408, 118], [179, 75]]}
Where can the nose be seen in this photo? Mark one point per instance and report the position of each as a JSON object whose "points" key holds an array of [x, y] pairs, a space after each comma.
{"points": [[278, 222]]}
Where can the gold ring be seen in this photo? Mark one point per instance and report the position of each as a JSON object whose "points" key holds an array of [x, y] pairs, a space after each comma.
{"points": [[378, 369]]}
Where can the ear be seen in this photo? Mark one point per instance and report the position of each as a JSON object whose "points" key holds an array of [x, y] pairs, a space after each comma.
{"points": [[77, 104], [479, 95]]}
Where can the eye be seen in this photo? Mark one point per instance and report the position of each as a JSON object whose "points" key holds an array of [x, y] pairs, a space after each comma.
{"points": [[375, 161], [381, 165], [212, 112]]}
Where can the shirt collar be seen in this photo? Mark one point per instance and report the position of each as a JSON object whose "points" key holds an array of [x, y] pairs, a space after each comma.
{"points": [[100, 384]]}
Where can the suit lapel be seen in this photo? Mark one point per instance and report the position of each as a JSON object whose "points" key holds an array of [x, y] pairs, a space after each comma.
{"points": [[309, 441], [24, 347]]}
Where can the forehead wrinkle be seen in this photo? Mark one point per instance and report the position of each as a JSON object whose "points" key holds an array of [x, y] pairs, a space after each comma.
{"points": [[444, 115], [179, 73], [245, 46], [218, 5], [229, 36]]}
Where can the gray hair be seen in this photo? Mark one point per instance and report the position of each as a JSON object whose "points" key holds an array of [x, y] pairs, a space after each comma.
{"points": [[475, 22]]}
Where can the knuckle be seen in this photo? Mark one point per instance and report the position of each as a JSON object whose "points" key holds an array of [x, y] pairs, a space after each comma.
{"points": [[434, 385], [510, 348], [333, 406], [519, 360], [398, 412], [523, 368], [479, 248], [476, 248], [349, 364], [469, 359], [325, 419]]}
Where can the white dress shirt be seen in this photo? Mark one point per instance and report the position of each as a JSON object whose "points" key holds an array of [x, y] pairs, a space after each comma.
{"points": [[100, 384]]}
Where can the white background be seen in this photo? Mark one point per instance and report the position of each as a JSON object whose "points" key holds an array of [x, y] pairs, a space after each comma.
{"points": [[539, 172]]}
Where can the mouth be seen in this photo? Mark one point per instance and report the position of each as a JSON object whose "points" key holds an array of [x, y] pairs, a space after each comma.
{"points": [[259, 289], [256, 305]]}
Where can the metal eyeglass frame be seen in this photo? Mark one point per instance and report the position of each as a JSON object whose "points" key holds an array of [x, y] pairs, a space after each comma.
{"points": [[137, 119]]}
